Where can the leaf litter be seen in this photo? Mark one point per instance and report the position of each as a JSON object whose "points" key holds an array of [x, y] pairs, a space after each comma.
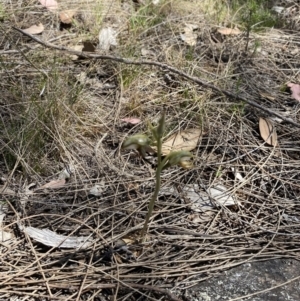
{"points": [[51, 239], [35, 29], [182, 140], [203, 200], [123, 203], [268, 131], [295, 88], [189, 36], [107, 38], [52, 5], [66, 16]]}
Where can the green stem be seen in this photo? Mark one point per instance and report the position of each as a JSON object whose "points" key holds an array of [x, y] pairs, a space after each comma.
{"points": [[160, 165]]}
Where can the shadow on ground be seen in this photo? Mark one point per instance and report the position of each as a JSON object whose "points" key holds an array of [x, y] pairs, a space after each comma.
{"points": [[251, 278]]}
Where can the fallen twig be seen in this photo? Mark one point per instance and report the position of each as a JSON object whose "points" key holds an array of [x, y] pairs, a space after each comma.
{"points": [[163, 66]]}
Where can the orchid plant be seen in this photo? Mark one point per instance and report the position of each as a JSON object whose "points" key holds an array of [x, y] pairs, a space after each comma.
{"points": [[141, 143]]}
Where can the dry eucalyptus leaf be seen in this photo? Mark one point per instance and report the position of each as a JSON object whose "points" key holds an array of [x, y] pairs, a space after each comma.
{"points": [[267, 131], [295, 88], [66, 173], [4, 235], [66, 16], [35, 29], [54, 184], [189, 36], [128, 241], [229, 31], [199, 200], [98, 189], [3, 210], [52, 239], [49, 4], [131, 120], [222, 196], [107, 38], [183, 140]]}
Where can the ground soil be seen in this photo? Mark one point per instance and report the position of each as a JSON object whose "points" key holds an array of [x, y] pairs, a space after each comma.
{"points": [[64, 174], [272, 280]]}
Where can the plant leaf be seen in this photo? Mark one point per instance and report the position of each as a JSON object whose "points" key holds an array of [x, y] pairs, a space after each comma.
{"points": [[295, 88], [268, 131], [183, 140], [49, 4], [35, 29]]}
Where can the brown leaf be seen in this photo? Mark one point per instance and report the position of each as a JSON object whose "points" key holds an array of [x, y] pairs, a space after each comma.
{"points": [[268, 131], [295, 88], [229, 31], [182, 140], [66, 16], [49, 4], [35, 29], [54, 184]]}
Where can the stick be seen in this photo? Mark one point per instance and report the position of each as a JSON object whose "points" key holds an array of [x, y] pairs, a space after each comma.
{"points": [[162, 66]]}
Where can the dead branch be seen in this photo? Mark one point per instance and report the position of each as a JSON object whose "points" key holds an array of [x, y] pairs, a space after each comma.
{"points": [[162, 66]]}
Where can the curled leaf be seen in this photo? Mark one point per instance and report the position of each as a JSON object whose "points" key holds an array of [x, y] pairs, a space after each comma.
{"points": [[268, 131]]}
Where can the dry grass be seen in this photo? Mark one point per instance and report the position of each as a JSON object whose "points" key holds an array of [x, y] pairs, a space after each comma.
{"points": [[51, 118]]}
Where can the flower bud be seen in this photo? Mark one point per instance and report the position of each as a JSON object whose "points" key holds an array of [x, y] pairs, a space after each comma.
{"points": [[181, 158], [139, 142], [135, 142], [161, 125]]}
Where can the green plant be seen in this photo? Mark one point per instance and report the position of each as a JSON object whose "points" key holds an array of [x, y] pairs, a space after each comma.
{"points": [[145, 17], [141, 143], [2, 12], [254, 13]]}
